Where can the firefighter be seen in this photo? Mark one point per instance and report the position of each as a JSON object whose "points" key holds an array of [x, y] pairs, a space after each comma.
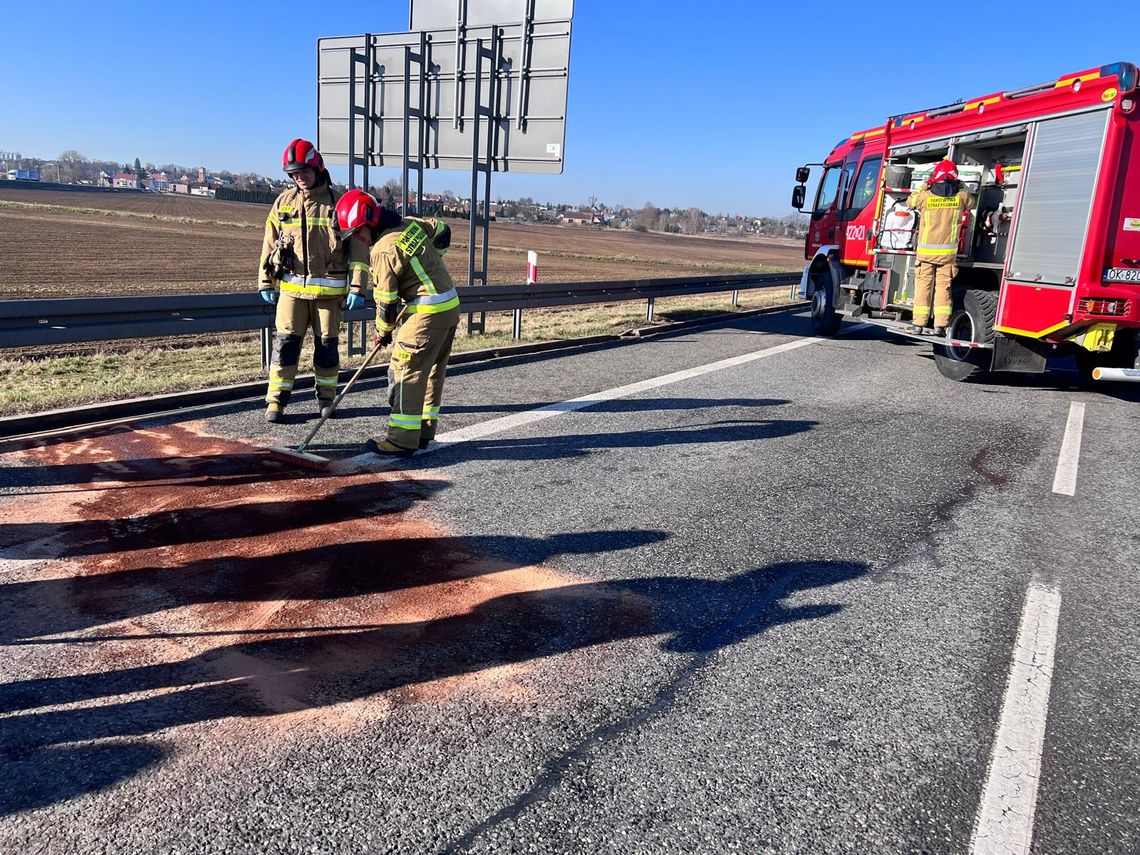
{"points": [[311, 275], [407, 266], [940, 206]]}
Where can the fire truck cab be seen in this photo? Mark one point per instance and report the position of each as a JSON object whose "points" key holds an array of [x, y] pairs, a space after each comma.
{"points": [[1048, 259]]}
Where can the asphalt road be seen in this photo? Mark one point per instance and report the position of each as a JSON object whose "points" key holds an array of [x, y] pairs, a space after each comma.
{"points": [[764, 598]]}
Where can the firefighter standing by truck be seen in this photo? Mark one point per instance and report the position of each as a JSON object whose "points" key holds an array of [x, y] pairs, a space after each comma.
{"points": [[939, 206], [407, 265], [310, 274]]}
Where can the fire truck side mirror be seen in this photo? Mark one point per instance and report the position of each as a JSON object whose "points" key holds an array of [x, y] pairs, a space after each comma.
{"points": [[798, 193], [802, 174]]}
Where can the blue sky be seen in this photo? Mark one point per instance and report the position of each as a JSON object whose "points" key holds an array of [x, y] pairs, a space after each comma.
{"points": [[710, 105]]}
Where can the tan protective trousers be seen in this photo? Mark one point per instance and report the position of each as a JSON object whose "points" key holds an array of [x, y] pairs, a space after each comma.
{"points": [[293, 320], [415, 376], [933, 275]]}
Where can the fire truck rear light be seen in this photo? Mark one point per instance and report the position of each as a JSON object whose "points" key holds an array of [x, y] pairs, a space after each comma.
{"points": [[1127, 105], [1112, 308]]}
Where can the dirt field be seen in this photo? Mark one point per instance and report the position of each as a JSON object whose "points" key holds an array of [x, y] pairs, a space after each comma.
{"points": [[71, 244]]}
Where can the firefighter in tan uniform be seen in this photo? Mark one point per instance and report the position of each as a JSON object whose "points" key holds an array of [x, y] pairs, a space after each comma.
{"points": [[940, 208], [316, 274], [407, 266]]}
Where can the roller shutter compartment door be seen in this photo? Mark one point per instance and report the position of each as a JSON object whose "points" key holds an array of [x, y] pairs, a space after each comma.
{"points": [[1056, 198]]}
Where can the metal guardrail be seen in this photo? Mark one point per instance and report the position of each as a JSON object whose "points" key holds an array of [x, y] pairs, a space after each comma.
{"points": [[42, 323]]}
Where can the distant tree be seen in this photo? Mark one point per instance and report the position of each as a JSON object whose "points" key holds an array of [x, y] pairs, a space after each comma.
{"points": [[648, 216], [73, 167], [592, 201], [693, 221], [138, 170]]}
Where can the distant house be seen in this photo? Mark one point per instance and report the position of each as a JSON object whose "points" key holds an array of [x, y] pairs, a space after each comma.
{"points": [[179, 187], [125, 181], [158, 182], [582, 218]]}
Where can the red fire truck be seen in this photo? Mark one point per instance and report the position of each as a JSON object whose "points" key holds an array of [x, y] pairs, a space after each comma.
{"points": [[1049, 258]]}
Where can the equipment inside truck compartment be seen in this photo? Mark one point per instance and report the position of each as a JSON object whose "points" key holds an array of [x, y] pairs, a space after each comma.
{"points": [[989, 169]]}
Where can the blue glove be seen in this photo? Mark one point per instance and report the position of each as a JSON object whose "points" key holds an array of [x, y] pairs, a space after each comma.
{"points": [[353, 302], [269, 296]]}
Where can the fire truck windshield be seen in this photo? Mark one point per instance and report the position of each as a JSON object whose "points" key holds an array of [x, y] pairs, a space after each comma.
{"points": [[828, 185]]}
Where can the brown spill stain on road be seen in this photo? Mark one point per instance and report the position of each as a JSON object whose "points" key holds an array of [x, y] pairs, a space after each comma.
{"points": [[196, 564]]}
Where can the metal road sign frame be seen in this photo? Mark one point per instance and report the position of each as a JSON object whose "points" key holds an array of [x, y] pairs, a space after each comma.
{"points": [[371, 87]]}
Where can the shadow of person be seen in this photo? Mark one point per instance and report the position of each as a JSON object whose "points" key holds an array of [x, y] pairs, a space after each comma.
{"points": [[579, 445], [279, 675], [179, 526], [225, 469], [332, 569]]}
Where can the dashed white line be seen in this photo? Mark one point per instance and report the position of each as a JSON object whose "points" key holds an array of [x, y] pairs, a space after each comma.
{"points": [[1004, 824], [1065, 481]]}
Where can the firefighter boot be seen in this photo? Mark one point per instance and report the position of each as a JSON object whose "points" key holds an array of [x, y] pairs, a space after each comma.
{"points": [[274, 411], [387, 448], [325, 405]]}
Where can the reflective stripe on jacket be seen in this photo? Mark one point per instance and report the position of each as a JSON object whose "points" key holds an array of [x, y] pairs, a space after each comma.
{"points": [[314, 286], [406, 265], [301, 223], [940, 219]]}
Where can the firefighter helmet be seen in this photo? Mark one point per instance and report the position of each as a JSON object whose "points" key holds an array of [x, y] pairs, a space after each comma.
{"points": [[944, 170], [355, 209], [300, 154]]}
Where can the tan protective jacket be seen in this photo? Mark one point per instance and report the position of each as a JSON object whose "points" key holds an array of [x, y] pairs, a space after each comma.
{"points": [[299, 232], [407, 266], [939, 222]]}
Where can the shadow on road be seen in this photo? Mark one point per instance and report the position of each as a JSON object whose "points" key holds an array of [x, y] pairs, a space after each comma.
{"points": [[271, 676], [332, 570]]}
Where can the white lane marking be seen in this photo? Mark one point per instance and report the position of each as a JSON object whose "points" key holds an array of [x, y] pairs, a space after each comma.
{"points": [[1004, 825], [505, 423], [1065, 481]]}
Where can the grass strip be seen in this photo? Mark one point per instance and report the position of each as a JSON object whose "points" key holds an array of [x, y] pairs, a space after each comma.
{"points": [[32, 384]]}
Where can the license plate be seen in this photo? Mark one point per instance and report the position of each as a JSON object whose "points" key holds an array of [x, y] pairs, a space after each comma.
{"points": [[1122, 274]]}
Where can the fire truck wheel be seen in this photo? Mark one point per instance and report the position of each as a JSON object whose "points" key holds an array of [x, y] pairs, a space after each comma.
{"points": [[973, 320], [824, 320]]}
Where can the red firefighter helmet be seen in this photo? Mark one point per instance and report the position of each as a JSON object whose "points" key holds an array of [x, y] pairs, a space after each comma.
{"points": [[355, 209], [300, 154], [945, 170]]}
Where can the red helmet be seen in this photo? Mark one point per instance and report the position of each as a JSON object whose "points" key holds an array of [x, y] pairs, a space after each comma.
{"points": [[355, 209], [299, 154], [945, 170]]}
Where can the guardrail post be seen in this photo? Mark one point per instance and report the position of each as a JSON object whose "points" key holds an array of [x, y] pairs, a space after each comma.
{"points": [[266, 347], [355, 348], [735, 299], [649, 309]]}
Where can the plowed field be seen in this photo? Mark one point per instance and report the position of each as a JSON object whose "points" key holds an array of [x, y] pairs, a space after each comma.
{"points": [[70, 244]]}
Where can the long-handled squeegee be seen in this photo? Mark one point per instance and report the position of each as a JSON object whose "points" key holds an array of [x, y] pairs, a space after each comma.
{"points": [[304, 458]]}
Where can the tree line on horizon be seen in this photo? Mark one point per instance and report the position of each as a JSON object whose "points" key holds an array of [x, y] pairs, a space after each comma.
{"points": [[74, 168]]}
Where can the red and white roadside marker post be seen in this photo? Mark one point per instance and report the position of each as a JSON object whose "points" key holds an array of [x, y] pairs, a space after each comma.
{"points": [[532, 268], [531, 279]]}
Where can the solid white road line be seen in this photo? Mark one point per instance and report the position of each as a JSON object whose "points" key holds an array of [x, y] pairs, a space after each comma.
{"points": [[1004, 825], [1065, 481], [505, 423]]}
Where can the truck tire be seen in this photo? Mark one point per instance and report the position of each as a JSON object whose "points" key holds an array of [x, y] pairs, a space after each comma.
{"points": [[973, 320], [824, 319]]}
